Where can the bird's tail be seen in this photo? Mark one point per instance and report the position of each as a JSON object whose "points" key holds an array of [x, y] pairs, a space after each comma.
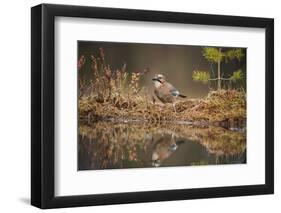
{"points": [[182, 96]]}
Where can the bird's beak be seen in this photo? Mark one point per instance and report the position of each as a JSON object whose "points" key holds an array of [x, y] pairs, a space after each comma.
{"points": [[155, 79]]}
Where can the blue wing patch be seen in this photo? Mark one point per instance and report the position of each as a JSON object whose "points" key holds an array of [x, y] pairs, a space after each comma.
{"points": [[175, 92]]}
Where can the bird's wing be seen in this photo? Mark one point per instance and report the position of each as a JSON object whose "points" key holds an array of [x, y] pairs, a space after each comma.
{"points": [[173, 90]]}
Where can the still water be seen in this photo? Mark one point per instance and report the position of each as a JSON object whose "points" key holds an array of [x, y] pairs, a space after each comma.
{"points": [[109, 145]]}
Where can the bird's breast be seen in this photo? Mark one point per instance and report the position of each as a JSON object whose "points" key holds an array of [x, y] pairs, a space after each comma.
{"points": [[163, 94]]}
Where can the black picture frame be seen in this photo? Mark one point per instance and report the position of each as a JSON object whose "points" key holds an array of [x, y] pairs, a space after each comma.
{"points": [[43, 102]]}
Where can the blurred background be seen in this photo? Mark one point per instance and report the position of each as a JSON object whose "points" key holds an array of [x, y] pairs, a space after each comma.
{"points": [[176, 62]]}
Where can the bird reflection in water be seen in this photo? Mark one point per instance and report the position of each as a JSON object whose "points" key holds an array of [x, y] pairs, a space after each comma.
{"points": [[163, 148]]}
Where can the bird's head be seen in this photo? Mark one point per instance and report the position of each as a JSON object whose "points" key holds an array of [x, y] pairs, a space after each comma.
{"points": [[159, 78]]}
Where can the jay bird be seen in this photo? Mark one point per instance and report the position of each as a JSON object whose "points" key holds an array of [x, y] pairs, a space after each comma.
{"points": [[165, 91]]}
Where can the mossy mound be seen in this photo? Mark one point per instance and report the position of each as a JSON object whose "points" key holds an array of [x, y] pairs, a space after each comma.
{"points": [[223, 108]]}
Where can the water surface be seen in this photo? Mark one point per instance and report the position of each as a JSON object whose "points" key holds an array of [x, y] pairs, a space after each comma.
{"points": [[109, 145]]}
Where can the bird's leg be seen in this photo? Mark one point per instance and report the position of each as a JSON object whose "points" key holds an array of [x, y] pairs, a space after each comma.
{"points": [[153, 99], [174, 106], [173, 136]]}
